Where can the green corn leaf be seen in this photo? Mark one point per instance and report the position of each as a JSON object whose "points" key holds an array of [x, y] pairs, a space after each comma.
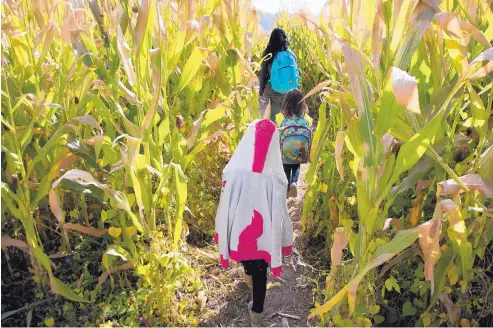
{"points": [[213, 115], [414, 149], [190, 69], [423, 15], [79, 148], [361, 91], [480, 114], [180, 186], [440, 274], [383, 253], [43, 259], [319, 132], [163, 131], [176, 49], [65, 291], [49, 34], [55, 138], [389, 110], [486, 164]]}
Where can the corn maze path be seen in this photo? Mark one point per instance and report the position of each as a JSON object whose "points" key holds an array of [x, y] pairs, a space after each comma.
{"points": [[288, 300]]}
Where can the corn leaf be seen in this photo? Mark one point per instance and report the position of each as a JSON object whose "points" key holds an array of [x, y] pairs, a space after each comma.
{"points": [[317, 88], [429, 240], [486, 163], [125, 54], [338, 152], [55, 206], [458, 235], [190, 69], [405, 90], [361, 92], [85, 230], [415, 148], [180, 185], [417, 25], [473, 182], [480, 114], [440, 274], [11, 242], [141, 26], [66, 292], [341, 240]]}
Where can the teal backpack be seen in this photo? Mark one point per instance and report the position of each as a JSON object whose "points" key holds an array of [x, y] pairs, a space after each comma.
{"points": [[284, 72]]}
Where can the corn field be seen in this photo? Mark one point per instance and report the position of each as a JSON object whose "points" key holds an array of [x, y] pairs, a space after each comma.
{"points": [[116, 113]]}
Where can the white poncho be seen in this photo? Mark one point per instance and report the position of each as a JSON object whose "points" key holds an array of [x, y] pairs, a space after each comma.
{"points": [[252, 221]]}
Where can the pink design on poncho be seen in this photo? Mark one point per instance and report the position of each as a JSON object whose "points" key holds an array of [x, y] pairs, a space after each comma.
{"points": [[247, 246], [263, 135]]}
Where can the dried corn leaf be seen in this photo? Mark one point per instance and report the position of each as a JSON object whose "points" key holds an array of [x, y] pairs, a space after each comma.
{"points": [[475, 32], [85, 230], [452, 311], [392, 222], [449, 22], [474, 182], [341, 240], [338, 152], [483, 71], [458, 235], [89, 120], [429, 241], [378, 33], [141, 26], [106, 274], [405, 90], [125, 54], [193, 31], [11, 242], [195, 130], [417, 204], [55, 206], [485, 68], [317, 88]]}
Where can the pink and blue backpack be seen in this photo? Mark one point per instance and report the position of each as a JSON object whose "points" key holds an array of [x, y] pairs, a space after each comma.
{"points": [[296, 140]]}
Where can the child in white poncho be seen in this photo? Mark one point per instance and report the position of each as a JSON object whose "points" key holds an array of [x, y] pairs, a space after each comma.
{"points": [[252, 222]]}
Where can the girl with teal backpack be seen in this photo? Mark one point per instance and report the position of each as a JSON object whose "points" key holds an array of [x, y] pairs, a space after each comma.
{"points": [[296, 137], [279, 73]]}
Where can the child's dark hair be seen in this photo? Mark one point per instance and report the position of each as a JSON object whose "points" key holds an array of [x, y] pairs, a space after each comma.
{"points": [[294, 104], [278, 42]]}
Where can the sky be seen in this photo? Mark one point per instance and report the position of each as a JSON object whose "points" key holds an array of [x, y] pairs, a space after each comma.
{"points": [[273, 6]]}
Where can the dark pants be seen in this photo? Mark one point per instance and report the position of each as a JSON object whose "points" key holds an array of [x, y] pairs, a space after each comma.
{"points": [[292, 173], [275, 100], [257, 269]]}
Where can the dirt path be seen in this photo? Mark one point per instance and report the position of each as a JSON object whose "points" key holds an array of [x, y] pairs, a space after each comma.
{"points": [[291, 294]]}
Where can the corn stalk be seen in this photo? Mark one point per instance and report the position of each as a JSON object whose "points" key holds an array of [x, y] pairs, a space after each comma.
{"points": [[399, 71], [113, 100]]}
